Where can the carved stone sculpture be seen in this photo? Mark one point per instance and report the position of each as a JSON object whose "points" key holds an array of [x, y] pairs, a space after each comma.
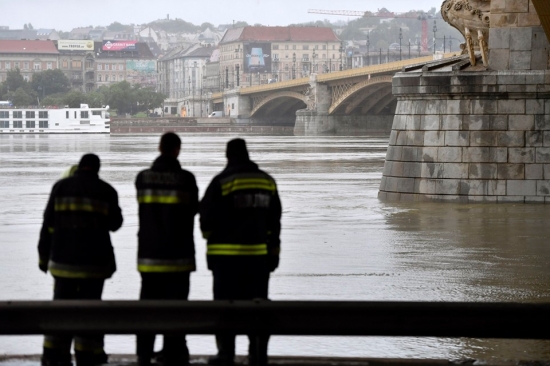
{"points": [[471, 18]]}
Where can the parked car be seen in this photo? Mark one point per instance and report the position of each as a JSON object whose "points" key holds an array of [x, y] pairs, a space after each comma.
{"points": [[216, 114]]}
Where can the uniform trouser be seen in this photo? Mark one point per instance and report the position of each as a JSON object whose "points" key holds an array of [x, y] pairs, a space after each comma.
{"points": [[88, 349], [244, 283], [164, 286]]}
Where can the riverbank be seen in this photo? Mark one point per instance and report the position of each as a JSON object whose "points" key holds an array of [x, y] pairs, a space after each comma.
{"points": [[190, 125]]}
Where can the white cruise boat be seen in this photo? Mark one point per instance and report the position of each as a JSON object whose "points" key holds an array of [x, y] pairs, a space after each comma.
{"points": [[48, 120]]}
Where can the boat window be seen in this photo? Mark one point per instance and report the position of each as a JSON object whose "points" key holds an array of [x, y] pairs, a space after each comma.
{"points": [[17, 114], [43, 114], [67, 114], [29, 124], [29, 114], [4, 114], [74, 114], [84, 114], [4, 124], [17, 124], [96, 113], [43, 124]]}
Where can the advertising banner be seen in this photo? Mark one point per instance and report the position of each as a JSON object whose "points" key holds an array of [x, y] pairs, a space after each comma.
{"points": [[119, 45], [82, 45], [257, 57], [146, 66]]}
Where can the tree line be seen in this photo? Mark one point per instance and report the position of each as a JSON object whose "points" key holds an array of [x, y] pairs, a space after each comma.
{"points": [[53, 88]]}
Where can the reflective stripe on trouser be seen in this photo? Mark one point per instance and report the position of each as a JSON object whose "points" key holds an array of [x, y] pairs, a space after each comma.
{"points": [[87, 344], [166, 265], [62, 343], [81, 204], [163, 196], [74, 271], [236, 249], [247, 181]]}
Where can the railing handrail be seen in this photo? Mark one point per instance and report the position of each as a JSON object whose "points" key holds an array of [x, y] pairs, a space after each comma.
{"points": [[329, 318]]}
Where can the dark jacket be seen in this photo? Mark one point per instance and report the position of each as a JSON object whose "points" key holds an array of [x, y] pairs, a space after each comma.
{"points": [[74, 240], [240, 217], [168, 202]]}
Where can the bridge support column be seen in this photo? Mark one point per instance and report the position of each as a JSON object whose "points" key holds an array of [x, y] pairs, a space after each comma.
{"points": [[315, 120]]}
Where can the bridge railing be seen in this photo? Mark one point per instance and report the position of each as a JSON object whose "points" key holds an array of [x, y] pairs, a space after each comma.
{"points": [[329, 318]]}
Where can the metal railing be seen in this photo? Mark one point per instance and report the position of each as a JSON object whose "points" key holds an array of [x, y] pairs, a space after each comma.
{"points": [[329, 318]]}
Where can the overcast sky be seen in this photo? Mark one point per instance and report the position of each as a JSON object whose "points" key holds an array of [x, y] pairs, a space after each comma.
{"points": [[67, 14]]}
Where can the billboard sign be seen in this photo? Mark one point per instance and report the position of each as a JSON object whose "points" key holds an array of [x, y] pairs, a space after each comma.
{"points": [[257, 57], [141, 66], [119, 45], [81, 45]]}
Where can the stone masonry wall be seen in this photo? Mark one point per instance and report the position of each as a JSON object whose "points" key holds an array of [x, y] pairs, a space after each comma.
{"points": [[470, 137], [516, 39]]}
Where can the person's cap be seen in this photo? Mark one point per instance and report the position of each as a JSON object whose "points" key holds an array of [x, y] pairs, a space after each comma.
{"points": [[236, 148], [90, 161]]}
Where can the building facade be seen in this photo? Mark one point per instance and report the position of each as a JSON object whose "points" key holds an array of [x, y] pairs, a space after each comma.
{"points": [[257, 55], [27, 56]]}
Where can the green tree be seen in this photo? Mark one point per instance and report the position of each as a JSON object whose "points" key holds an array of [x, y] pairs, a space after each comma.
{"points": [[117, 27], [122, 97], [14, 80], [148, 99], [95, 99], [74, 98], [22, 98], [50, 82], [206, 25]]}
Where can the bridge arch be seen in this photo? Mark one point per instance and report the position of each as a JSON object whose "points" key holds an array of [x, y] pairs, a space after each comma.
{"points": [[259, 103], [349, 95]]}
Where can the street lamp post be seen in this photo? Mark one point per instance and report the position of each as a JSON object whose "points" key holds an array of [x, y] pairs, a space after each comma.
{"points": [[409, 49], [342, 49], [435, 30], [368, 45], [294, 66], [380, 57], [238, 79], [312, 65], [400, 38]]}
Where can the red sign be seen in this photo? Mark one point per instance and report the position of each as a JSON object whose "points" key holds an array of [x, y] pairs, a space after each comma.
{"points": [[119, 45]]}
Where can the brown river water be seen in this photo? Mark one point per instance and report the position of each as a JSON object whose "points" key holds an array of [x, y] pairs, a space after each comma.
{"points": [[339, 242]]}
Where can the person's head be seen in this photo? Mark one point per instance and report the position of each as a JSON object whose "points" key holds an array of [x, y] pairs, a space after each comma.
{"points": [[236, 151], [89, 162], [170, 144]]}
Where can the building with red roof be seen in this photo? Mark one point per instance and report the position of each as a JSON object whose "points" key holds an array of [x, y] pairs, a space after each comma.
{"points": [[27, 56], [255, 55]]}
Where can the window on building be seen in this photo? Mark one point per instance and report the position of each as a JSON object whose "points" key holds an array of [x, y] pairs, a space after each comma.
{"points": [[98, 77], [16, 65], [84, 114], [4, 114], [8, 65], [49, 66], [17, 114], [121, 67], [316, 47], [120, 77], [99, 66], [76, 64], [107, 66], [65, 64], [26, 78], [89, 64], [275, 46], [25, 65], [43, 124], [29, 124], [29, 114], [17, 124], [293, 46], [37, 66], [324, 47], [43, 114], [333, 47], [106, 77], [4, 124], [286, 47]]}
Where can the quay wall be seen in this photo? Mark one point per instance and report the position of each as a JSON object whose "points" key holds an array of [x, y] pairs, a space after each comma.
{"points": [[470, 137], [312, 123], [182, 125]]}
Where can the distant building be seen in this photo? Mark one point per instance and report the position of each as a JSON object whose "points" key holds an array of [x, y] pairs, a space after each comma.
{"points": [[254, 55], [29, 56]]}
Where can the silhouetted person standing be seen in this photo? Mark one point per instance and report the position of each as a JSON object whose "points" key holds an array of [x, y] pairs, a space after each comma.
{"points": [[75, 246], [168, 202], [240, 218]]}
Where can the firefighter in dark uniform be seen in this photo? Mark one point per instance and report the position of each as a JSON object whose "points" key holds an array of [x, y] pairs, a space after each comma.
{"points": [[240, 218], [168, 203], [75, 246]]}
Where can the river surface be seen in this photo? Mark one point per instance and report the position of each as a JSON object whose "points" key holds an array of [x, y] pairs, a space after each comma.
{"points": [[339, 242]]}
